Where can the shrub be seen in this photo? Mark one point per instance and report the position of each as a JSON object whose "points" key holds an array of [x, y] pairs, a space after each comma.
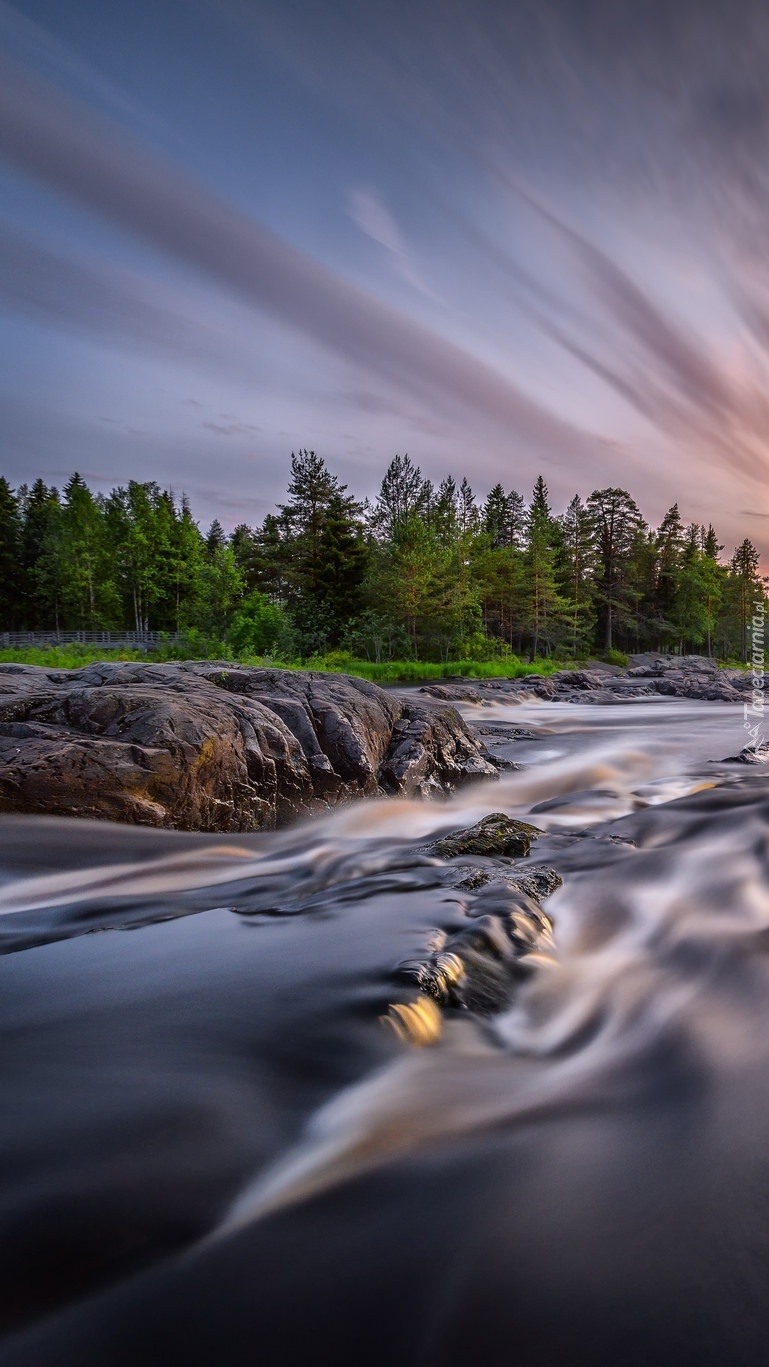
{"points": [[257, 626]]}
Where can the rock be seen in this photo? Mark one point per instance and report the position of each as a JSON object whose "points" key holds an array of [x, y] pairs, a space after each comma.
{"points": [[578, 678], [453, 692], [507, 733], [597, 695], [432, 750], [752, 754], [217, 747], [674, 676], [535, 880], [494, 835], [478, 966]]}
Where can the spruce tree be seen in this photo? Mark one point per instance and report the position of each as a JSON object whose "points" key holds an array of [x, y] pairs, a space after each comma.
{"points": [[579, 547], [403, 494], [11, 582], [343, 562], [88, 581], [310, 491], [37, 509], [216, 538], [544, 608], [669, 544], [617, 525]]}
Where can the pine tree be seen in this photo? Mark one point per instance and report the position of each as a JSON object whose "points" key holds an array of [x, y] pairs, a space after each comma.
{"points": [[744, 568], [246, 552], [272, 555]]}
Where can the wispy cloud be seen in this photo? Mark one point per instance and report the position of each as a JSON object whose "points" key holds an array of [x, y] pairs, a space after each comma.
{"points": [[112, 304], [48, 136], [369, 212], [375, 220], [659, 366]]}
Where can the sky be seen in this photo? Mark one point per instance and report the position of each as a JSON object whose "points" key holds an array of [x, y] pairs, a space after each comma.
{"points": [[507, 238]]}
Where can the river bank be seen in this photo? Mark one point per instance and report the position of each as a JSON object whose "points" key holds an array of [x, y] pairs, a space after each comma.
{"points": [[217, 1143]]}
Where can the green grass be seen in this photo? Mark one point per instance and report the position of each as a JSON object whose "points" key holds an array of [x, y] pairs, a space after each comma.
{"points": [[66, 657], [76, 656], [337, 662], [392, 671]]}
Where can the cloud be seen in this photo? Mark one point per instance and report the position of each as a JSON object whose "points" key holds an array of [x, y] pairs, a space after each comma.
{"points": [[47, 136], [375, 220], [115, 305], [372, 216], [232, 428], [659, 367], [30, 42]]}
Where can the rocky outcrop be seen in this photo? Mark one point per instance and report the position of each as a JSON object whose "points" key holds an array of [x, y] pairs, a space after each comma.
{"points": [[218, 747], [674, 676]]}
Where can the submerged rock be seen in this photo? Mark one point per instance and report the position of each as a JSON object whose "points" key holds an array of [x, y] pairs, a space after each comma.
{"points": [[218, 747], [477, 968], [536, 880]]}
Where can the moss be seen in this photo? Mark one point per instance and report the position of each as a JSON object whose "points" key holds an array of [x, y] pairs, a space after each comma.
{"points": [[495, 835]]}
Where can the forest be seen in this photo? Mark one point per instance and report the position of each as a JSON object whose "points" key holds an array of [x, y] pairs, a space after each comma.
{"points": [[421, 572]]}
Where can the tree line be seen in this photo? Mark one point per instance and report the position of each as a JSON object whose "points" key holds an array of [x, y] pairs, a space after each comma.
{"points": [[422, 571]]}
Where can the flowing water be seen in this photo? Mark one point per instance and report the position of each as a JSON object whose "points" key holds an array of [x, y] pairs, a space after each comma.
{"points": [[214, 1149]]}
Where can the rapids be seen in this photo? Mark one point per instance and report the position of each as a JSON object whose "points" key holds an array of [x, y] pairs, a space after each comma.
{"points": [[215, 1151]]}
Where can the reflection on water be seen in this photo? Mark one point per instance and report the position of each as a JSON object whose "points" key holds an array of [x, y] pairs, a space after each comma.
{"points": [[220, 1140]]}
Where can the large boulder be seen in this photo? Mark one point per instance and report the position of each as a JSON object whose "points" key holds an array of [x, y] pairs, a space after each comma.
{"points": [[218, 747]]}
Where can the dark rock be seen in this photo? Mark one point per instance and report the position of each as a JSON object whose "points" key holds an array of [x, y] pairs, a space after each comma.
{"points": [[597, 695], [506, 733], [217, 747], [535, 880], [752, 754], [478, 966], [674, 676], [432, 750], [453, 692], [494, 835], [578, 678]]}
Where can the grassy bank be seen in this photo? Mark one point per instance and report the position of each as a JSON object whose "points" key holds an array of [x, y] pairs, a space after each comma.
{"points": [[76, 656], [338, 662]]}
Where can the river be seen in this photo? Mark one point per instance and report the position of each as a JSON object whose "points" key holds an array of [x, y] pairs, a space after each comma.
{"points": [[216, 1151]]}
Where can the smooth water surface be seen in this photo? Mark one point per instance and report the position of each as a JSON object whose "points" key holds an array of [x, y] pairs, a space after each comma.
{"points": [[214, 1151]]}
